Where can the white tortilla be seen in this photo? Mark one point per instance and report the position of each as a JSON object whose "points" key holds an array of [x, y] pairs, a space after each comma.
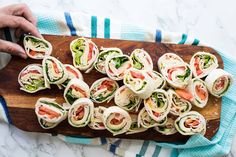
{"points": [[61, 71], [182, 129], [151, 106], [125, 124], [213, 76], [59, 109], [85, 66], [168, 128], [37, 67], [96, 119], [143, 118], [78, 83], [124, 96], [147, 89], [88, 112], [178, 104], [175, 81], [135, 129], [72, 75], [205, 71], [117, 74], [143, 58], [196, 99], [100, 64], [28, 45], [168, 59], [102, 91]]}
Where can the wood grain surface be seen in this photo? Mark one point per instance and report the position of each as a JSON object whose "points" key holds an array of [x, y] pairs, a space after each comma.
{"points": [[21, 104]]}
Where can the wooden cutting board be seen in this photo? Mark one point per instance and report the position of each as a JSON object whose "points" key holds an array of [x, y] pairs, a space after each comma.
{"points": [[21, 104]]}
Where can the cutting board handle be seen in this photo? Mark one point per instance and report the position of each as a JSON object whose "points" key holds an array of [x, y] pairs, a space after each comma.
{"points": [[4, 114]]}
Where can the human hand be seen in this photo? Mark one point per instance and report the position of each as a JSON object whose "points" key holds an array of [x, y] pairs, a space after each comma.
{"points": [[20, 18]]}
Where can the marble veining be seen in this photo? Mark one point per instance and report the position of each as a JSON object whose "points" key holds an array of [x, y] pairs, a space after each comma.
{"points": [[211, 21]]}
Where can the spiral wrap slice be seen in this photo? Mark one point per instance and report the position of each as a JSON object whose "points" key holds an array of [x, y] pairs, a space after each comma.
{"points": [[99, 64], [31, 78], [202, 63], [36, 48], [126, 98], [117, 65], [191, 123], [141, 60], [84, 53], [76, 89], [103, 90], [72, 73], [49, 111], [81, 112], [53, 70], [116, 120], [218, 82]]}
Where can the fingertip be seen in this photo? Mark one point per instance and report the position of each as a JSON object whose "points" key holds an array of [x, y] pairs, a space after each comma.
{"points": [[23, 55], [40, 36]]}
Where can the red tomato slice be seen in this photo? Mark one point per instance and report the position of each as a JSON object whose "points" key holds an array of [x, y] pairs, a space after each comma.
{"points": [[80, 90], [171, 70], [156, 114], [184, 94], [196, 65], [106, 84], [72, 71], [101, 124], [136, 75], [110, 71], [90, 54], [195, 123], [46, 111], [190, 122], [129, 66], [115, 121], [201, 92], [30, 71], [80, 113], [220, 84], [55, 67], [33, 53]]}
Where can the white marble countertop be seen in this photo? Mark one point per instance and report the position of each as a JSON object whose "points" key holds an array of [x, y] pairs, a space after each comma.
{"points": [[212, 21]]}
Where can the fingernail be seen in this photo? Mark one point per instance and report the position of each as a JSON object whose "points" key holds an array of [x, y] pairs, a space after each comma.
{"points": [[41, 36]]}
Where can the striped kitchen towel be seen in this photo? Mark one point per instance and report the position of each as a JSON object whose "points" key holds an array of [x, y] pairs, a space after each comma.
{"points": [[59, 23]]}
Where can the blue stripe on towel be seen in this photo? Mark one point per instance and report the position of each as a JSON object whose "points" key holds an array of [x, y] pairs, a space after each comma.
{"points": [[114, 145], [143, 149], [158, 36], [157, 151], [195, 42], [184, 38], [113, 148], [70, 23], [4, 105], [94, 26], [78, 139], [117, 143], [103, 140], [107, 28]]}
